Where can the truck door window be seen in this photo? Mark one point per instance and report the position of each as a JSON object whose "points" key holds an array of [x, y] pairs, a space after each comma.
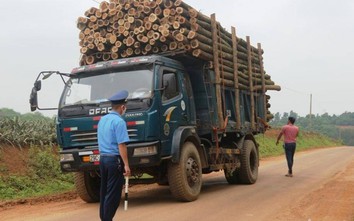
{"points": [[171, 86], [188, 86]]}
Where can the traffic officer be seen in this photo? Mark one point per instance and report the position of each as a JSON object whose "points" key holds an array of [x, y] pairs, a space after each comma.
{"points": [[114, 165]]}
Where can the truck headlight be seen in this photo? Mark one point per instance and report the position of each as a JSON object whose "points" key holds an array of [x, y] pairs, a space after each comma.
{"points": [[145, 151], [66, 157]]}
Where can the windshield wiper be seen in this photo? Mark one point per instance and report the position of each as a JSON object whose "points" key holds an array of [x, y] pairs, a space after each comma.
{"points": [[82, 105], [136, 99], [82, 101], [141, 99]]}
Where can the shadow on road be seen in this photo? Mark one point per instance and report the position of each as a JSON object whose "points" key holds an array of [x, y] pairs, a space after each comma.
{"points": [[141, 195]]}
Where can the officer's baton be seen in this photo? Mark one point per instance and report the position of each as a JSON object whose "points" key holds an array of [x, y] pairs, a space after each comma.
{"points": [[126, 193]]}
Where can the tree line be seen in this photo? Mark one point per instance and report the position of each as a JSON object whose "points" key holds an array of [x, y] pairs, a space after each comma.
{"points": [[339, 127], [34, 128]]}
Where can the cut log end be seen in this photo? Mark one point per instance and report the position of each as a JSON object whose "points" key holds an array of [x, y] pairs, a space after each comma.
{"points": [[106, 57], [114, 56], [90, 60]]}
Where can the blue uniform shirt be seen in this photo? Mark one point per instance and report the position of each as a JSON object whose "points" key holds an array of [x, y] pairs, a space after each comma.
{"points": [[112, 131]]}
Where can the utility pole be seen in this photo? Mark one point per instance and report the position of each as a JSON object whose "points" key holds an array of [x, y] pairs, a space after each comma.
{"points": [[310, 111]]}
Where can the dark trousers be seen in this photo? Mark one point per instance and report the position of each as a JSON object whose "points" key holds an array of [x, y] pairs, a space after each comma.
{"points": [[111, 186], [289, 153]]}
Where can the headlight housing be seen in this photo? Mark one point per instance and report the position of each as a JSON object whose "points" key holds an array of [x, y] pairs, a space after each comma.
{"points": [[67, 157], [145, 151]]}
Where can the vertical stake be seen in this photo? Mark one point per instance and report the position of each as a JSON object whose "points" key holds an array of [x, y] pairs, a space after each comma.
{"points": [[260, 57], [249, 56], [237, 90], [217, 71]]}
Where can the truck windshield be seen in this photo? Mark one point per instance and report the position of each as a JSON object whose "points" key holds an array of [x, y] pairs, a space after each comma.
{"points": [[97, 88]]}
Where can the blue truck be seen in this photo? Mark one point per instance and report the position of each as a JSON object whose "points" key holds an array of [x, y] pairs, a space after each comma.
{"points": [[181, 122]]}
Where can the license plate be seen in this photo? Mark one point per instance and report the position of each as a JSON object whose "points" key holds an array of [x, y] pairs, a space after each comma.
{"points": [[94, 158]]}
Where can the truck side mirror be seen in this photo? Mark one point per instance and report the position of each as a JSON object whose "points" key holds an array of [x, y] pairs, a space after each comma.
{"points": [[34, 99], [34, 96], [38, 85]]}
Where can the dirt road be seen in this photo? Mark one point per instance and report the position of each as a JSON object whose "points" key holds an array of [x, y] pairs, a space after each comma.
{"points": [[322, 189]]}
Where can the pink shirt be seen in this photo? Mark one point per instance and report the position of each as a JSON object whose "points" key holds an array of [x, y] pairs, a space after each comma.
{"points": [[290, 133]]}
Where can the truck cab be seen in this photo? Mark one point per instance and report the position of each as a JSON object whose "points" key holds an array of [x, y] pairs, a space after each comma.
{"points": [[158, 104]]}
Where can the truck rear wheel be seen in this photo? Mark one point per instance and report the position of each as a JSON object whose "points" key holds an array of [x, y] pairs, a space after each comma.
{"points": [[87, 186], [232, 175], [249, 163], [185, 177]]}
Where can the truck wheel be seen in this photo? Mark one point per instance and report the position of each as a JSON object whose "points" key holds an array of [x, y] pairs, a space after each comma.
{"points": [[249, 163], [185, 177], [232, 177], [87, 186]]}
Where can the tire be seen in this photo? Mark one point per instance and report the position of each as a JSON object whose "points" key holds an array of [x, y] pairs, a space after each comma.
{"points": [[232, 177], [249, 163], [162, 178], [87, 186], [185, 177]]}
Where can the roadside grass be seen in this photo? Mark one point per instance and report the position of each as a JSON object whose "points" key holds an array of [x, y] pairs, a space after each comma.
{"points": [[305, 141], [43, 176], [20, 187]]}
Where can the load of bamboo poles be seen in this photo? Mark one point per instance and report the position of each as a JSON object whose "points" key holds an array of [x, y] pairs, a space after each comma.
{"points": [[127, 28]]}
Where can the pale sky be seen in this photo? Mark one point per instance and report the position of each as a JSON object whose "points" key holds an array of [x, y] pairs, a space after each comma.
{"points": [[308, 48]]}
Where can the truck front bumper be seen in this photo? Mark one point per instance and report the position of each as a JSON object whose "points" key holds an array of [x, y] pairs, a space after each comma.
{"points": [[141, 155], [74, 160]]}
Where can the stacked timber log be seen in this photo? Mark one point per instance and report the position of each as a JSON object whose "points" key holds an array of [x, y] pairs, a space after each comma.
{"points": [[127, 28]]}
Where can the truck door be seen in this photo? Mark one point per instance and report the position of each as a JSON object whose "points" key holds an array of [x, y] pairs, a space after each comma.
{"points": [[173, 105]]}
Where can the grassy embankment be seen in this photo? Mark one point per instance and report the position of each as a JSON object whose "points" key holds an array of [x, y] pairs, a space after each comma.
{"points": [[305, 141], [29, 161], [33, 172]]}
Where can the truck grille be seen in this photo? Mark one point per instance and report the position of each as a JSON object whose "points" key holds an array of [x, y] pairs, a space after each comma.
{"points": [[84, 137], [133, 133], [91, 136]]}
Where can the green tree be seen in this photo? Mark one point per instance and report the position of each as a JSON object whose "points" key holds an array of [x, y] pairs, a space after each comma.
{"points": [[337, 127], [7, 112]]}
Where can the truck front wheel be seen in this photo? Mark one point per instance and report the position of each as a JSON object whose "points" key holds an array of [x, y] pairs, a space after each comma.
{"points": [[249, 163], [87, 186], [185, 177]]}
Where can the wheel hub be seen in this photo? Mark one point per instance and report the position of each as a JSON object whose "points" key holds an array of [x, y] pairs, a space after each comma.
{"points": [[192, 172]]}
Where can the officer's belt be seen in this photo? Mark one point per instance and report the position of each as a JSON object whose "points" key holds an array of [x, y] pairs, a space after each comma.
{"points": [[108, 155]]}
